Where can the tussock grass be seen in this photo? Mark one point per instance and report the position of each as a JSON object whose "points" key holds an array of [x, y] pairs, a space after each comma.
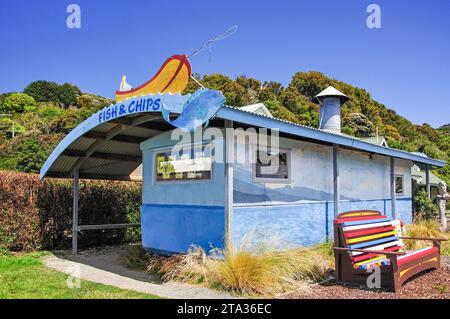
{"points": [[426, 228], [247, 270], [134, 256]]}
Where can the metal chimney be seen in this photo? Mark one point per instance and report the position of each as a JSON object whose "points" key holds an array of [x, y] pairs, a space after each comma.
{"points": [[330, 101]]}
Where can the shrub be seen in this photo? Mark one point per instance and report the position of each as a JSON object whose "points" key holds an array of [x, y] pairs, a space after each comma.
{"points": [[16, 103], [35, 214], [245, 270], [423, 206]]}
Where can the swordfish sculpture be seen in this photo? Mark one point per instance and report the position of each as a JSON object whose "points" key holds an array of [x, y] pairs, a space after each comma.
{"points": [[198, 110]]}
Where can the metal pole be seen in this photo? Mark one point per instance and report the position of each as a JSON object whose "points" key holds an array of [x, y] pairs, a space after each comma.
{"points": [[229, 160], [393, 193], [75, 213], [336, 184], [427, 180]]}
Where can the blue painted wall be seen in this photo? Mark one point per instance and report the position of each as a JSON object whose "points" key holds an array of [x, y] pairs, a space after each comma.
{"points": [[293, 213], [176, 215], [300, 224], [174, 228], [300, 211]]}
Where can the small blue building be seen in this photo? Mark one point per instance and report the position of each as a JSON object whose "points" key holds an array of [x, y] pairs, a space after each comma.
{"points": [[191, 197]]}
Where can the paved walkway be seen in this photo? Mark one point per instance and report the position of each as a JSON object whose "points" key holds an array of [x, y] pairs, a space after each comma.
{"points": [[104, 268]]}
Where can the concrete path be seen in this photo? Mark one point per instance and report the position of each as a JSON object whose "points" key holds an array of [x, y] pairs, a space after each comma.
{"points": [[104, 269]]}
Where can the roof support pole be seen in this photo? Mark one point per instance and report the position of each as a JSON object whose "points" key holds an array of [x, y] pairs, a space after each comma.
{"points": [[336, 184], [427, 180], [393, 193], [229, 161], [75, 213]]}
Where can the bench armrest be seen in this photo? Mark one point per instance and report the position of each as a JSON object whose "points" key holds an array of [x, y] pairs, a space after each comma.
{"points": [[423, 238], [380, 252]]}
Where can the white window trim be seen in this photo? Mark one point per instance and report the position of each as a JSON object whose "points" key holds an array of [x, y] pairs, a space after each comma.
{"points": [[268, 179], [403, 184], [189, 181]]}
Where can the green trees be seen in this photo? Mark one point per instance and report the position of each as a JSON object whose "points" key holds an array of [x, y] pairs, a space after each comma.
{"points": [[52, 110], [423, 207], [44, 91], [40, 117], [16, 103], [359, 125]]}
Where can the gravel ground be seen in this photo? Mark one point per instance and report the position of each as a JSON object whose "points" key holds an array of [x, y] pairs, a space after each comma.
{"points": [[429, 285]]}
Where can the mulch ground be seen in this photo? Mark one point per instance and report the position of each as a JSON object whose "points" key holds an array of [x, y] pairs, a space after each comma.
{"points": [[428, 285]]}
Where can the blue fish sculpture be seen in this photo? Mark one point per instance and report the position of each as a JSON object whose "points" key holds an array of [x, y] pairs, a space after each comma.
{"points": [[198, 110]]}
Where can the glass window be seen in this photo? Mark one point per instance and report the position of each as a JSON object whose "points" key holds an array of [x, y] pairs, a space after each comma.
{"points": [[399, 184], [266, 168], [189, 164]]}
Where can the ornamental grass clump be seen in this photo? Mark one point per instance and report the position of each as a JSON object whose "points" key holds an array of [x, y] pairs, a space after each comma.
{"points": [[426, 228], [248, 269]]}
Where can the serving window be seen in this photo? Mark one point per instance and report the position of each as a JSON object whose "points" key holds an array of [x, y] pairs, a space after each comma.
{"points": [[188, 164]]}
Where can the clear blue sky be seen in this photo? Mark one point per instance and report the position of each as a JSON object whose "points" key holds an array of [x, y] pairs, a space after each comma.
{"points": [[404, 65]]}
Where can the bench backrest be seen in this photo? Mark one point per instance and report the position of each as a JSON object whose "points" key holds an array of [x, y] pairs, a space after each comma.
{"points": [[367, 229]]}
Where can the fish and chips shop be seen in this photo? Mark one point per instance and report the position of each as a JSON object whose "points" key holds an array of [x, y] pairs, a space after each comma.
{"points": [[183, 147]]}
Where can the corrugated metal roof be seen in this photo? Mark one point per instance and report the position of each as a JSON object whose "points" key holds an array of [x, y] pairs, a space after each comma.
{"points": [[110, 150], [259, 120]]}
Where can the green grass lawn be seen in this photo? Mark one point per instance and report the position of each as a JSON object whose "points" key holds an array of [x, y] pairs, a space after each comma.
{"points": [[24, 276]]}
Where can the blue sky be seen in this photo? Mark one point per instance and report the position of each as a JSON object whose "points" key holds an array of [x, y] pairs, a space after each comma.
{"points": [[404, 65]]}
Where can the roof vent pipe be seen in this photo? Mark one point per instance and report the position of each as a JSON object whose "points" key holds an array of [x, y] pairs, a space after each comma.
{"points": [[330, 101]]}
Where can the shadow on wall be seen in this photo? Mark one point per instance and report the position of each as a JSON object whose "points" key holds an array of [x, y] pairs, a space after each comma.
{"points": [[258, 193]]}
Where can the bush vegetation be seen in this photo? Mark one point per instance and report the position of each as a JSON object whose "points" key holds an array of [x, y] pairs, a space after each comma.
{"points": [[423, 206], [35, 214], [246, 270], [46, 111], [426, 228]]}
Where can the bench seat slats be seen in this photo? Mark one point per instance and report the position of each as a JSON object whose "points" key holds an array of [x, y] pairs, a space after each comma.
{"points": [[364, 222], [380, 247], [349, 228], [368, 231], [373, 242], [349, 219], [373, 261], [364, 256], [401, 260], [370, 237], [416, 254]]}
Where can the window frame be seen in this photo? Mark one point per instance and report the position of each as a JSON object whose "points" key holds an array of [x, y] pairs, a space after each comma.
{"points": [[288, 180], [155, 152], [402, 193]]}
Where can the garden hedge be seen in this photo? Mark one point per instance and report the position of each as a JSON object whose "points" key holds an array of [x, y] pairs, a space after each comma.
{"points": [[38, 215]]}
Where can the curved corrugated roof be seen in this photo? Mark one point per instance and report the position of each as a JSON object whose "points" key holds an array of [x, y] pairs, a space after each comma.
{"points": [[109, 149]]}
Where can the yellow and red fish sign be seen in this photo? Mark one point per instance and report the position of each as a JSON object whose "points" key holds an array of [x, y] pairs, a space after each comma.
{"points": [[172, 77]]}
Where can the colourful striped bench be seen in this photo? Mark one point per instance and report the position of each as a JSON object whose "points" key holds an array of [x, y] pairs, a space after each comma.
{"points": [[364, 240]]}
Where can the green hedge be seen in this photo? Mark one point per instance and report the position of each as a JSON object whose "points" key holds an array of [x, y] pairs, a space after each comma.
{"points": [[38, 215]]}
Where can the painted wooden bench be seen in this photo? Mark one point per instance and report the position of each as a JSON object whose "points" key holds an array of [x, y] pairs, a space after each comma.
{"points": [[365, 240]]}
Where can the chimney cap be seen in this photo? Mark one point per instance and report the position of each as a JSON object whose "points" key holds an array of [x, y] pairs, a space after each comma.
{"points": [[330, 92]]}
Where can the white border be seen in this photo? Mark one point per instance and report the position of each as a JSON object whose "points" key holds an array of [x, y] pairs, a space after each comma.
{"points": [[268, 179]]}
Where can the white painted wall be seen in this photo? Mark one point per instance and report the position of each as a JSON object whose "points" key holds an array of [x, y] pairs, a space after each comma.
{"points": [[362, 177]]}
